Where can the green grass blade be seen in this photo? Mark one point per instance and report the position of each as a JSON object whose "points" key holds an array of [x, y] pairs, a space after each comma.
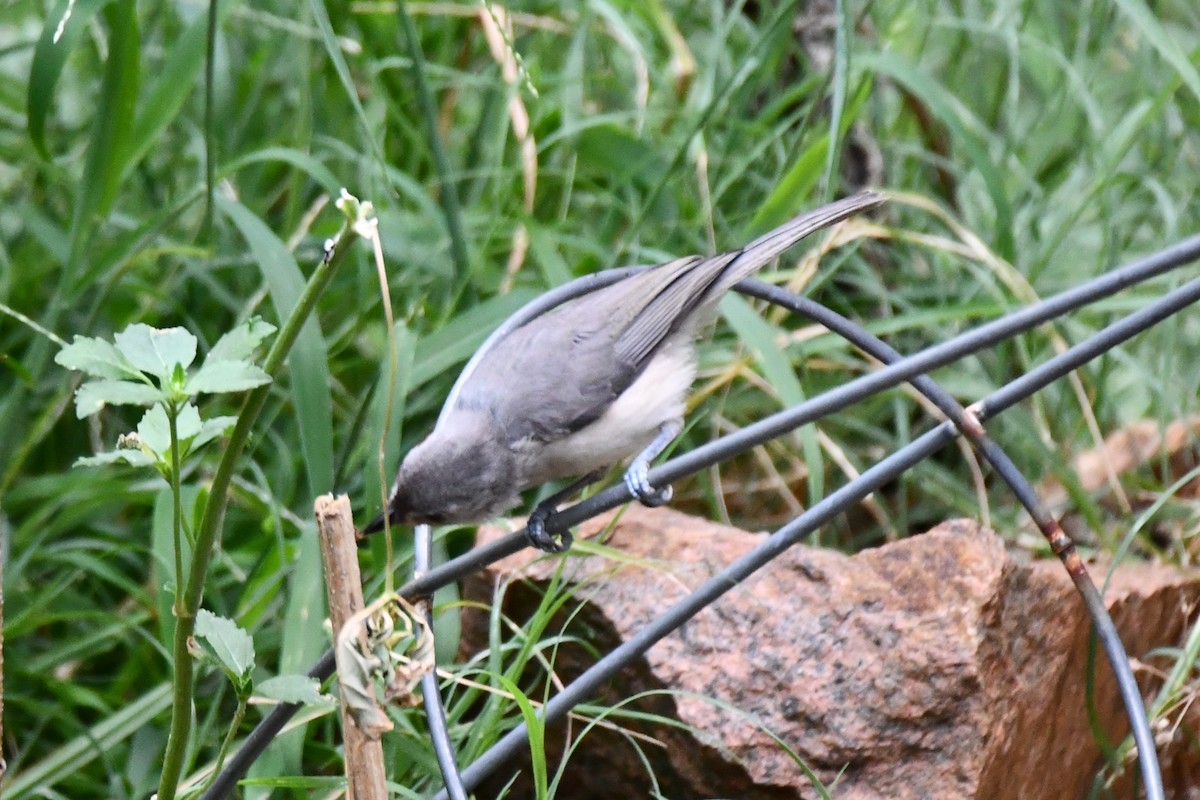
{"points": [[761, 338], [308, 362], [101, 738], [965, 130], [108, 147], [49, 57], [1145, 21]]}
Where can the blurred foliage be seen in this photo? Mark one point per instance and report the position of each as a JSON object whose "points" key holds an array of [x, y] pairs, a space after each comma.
{"points": [[512, 148]]}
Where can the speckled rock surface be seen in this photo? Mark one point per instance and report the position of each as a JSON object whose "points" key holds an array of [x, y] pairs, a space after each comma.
{"points": [[936, 667]]}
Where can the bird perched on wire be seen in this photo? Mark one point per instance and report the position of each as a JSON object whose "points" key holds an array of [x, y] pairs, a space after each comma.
{"points": [[582, 387]]}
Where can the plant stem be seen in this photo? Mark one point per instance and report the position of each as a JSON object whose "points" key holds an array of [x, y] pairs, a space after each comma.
{"points": [[214, 514], [176, 508], [238, 716]]}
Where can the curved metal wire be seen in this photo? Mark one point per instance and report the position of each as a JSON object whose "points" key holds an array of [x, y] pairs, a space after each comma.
{"points": [[969, 424], [836, 502], [696, 460], [435, 711]]}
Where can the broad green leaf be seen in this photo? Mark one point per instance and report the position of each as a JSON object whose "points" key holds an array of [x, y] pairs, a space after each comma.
{"points": [[239, 344], [135, 458], [49, 56], [157, 350], [187, 423], [96, 357], [228, 644], [225, 376], [212, 428], [93, 396], [293, 689], [619, 154], [155, 431]]}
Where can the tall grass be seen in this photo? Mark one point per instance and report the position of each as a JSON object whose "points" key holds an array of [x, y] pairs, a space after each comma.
{"points": [[1039, 143]]}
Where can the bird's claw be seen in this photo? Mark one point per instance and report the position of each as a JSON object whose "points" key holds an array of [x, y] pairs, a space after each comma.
{"points": [[539, 537], [638, 482]]}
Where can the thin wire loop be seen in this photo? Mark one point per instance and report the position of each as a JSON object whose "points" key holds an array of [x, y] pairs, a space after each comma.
{"points": [[435, 711]]}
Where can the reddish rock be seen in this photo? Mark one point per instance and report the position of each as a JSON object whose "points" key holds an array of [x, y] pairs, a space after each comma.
{"points": [[936, 667]]}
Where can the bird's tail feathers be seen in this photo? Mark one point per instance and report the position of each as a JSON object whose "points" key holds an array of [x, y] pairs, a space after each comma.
{"points": [[770, 245]]}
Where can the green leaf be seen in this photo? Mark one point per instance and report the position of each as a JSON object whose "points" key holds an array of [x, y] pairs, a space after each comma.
{"points": [[49, 56], [293, 689], [135, 458], [96, 357], [187, 423], [239, 344], [300, 160], [226, 376], [966, 130], [98, 741], [155, 431], [762, 339], [157, 350], [93, 396], [212, 428], [619, 154], [226, 642]]}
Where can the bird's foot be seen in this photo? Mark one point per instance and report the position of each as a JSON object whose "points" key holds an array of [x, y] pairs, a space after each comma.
{"points": [[638, 482], [542, 539]]}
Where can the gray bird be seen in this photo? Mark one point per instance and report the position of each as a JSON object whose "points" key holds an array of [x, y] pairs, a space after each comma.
{"points": [[580, 388]]}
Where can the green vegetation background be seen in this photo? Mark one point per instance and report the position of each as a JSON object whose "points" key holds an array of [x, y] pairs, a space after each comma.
{"points": [[1031, 144]]}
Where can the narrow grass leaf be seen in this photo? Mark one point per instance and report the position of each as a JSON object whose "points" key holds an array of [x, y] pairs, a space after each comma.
{"points": [[1145, 20], [50, 54], [946, 108], [301, 161], [100, 739], [380, 417], [308, 364], [173, 83], [760, 337], [109, 142]]}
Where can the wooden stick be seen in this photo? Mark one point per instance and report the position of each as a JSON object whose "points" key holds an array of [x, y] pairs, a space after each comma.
{"points": [[343, 586]]}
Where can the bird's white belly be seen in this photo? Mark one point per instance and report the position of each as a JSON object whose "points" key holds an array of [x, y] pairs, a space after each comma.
{"points": [[633, 420]]}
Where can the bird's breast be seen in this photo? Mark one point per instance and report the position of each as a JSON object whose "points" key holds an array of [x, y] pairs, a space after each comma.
{"points": [[657, 396]]}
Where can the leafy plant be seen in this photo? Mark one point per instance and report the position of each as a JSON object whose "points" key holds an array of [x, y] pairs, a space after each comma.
{"points": [[148, 366]]}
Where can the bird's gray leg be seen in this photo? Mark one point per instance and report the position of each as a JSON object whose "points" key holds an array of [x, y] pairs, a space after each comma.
{"points": [[636, 476], [535, 527]]}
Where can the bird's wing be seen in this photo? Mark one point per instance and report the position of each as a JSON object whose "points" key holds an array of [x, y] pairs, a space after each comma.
{"points": [[562, 370]]}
